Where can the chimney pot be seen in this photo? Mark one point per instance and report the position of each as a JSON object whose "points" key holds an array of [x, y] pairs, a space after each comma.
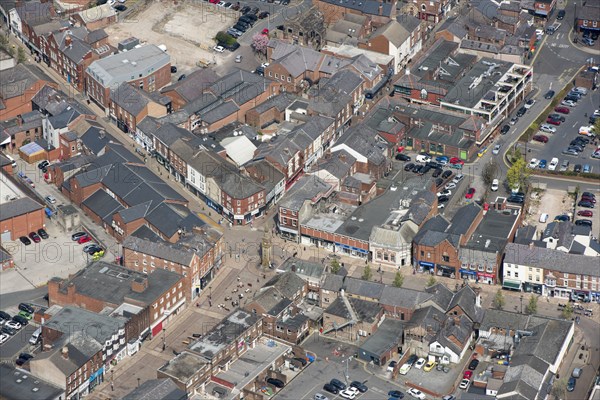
{"points": [[65, 353]]}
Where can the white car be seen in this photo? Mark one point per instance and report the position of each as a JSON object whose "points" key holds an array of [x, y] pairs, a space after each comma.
{"points": [[422, 158], [496, 149], [13, 324], [419, 364], [417, 394], [458, 178], [568, 103], [553, 164], [50, 199], [596, 113], [349, 393], [221, 3], [4, 337], [464, 384], [446, 192], [495, 185], [547, 128], [450, 185], [219, 49], [534, 163], [529, 103]]}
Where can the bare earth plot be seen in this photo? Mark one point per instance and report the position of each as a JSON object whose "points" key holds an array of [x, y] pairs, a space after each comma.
{"points": [[186, 28]]}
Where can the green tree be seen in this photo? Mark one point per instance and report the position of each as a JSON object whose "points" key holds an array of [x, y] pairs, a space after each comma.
{"points": [[223, 37], [431, 281], [335, 266], [567, 312], [517, 174], [597, 127], [514, 154], [559, 388], [499, 300], [367, 273], [488, 173], [21, 56], [532, 305], [398, 279]]}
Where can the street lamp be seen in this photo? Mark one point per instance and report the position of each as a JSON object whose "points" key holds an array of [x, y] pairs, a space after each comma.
{"points": [[164, 339], [521, 297], [210, 292]]}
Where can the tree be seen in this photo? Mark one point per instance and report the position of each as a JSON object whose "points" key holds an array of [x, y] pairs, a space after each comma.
{"points": [[431, 281], [499, 300], [559, 388], [514, 154], [567, 312], [398, 279], [517, 174], [532, 306], [367, 273], [21, 56], [224, 38], [488, 173], [597, 127], [335, 266], [260, 42]]}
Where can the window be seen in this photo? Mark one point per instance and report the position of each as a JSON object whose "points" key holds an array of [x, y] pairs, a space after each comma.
{"points": [[516, 274], [530, 277], [270, 73], [446, 258], [289, 79], [393, 258], [385, 256], [239, 203], [276, 76], [566, 275], [428, 255]]}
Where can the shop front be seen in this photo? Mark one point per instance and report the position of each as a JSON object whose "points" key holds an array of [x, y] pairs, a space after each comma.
{"points": [[533, 288], [96, 378], [511, 284], [490, 279], [446, 271], [580, 295], [425, 266], [351, 250], [467, 274], [595, 296], [558, 292]]}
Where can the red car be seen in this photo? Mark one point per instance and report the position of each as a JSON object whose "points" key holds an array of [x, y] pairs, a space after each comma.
{"points": [[552, 121], [265, 31], [540, 138], [585, 213], [456, 160], [562, 110], [35, 237], [470, 193], [84, 239], [468, 374]]}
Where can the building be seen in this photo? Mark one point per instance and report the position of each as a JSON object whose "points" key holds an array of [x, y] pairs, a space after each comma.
{"points": [[148, 301], [196, 256], [351, 318], [19, 214], [146, 67], [587, 19], [186, 370], [552, 272], [430, 11], [15, 382], [20, 85], [157, 389], [382, 346], [378, 12], [128, 105], [306, 29], [97, 17]]}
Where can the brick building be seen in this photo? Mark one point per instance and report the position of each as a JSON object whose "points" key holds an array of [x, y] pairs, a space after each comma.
{"points": [[19, 217], [129, 105], [16, 98]]}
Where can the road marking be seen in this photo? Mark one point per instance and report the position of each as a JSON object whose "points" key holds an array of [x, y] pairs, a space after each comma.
{"points": [[575, 124]]}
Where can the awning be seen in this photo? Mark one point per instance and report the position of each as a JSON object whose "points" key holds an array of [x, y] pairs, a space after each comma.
{"points": [[516, 285]]}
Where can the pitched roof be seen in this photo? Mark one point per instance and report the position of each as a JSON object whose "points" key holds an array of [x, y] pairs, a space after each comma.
{"points": [[394, 32], [194, 84], [130, 98], [464, 218], [18, 207], [288, 284], [307, 188]]}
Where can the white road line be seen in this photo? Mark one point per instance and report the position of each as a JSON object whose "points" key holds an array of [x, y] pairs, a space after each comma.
{"points": [[575, 124]]}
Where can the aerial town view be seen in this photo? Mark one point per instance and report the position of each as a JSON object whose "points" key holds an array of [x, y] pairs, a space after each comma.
{"points": [[299, 199]]}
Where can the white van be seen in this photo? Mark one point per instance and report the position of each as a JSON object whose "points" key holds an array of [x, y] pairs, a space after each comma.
{"points": [[36, 336], [422, 158], [12, 160], [543, 218]]}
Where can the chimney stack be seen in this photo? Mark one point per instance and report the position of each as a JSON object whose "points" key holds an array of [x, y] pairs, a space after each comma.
{"points": [[68, 40], [139, 285], [65, 353]]}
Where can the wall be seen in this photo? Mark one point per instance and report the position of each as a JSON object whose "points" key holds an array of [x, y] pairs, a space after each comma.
{"points": [[21, 225]]}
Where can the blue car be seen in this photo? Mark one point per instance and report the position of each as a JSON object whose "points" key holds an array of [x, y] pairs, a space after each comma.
{"points": [[542, 164], [571, 384], [442, 159]]}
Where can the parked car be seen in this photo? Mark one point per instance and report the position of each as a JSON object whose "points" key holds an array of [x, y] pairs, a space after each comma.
{"points": [[464, 384], [473, 364], [562, 110], [359, 385], [420, 362], [562, 218], [547, 128], [77, 235], [577, 373], [571, 384], [328, 387], [392, 364], [569, 103], [4, 337], [495, 185], [553, 121], [25, 315], [514, 120], [173, 69], [585, 213], [577, 168], [278, 383], [456, 160], [8, 330], [540, 138], [25, 240], [429, 366], [458, 178], [585, 204], [470, 193], [447, 174], [409, 167], [521, 112], [584, 222], [43, 164], [349, 393], [542, 164], [549, 94], [561, 14], [319, 396], [20, 320], [84, 239], [25, 307], [553, 164], [338, 384], [496, 149], [402, 157], [437, 172], [35, 237], [416, 393], [450, 185], [396, 394]]}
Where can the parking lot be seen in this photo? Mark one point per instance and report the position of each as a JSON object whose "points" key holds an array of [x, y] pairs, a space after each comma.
{"points": [[566, 132], [17, 344]]}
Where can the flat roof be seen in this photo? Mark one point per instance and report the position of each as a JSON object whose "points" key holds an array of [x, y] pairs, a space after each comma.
{"points": [[348, 51], [183, 366], [18, 384]]}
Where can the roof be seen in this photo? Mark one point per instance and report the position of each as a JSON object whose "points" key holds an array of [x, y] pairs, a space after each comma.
{"points": [[156, 389], [466, 299], [441, 295], [271, 301], [280, 102], [194, 84], [288, 284], [264, 173], [307, 188], [369, 7], [17, 382], [332, 282], [393, 296], [122, 67], [183, 367], [239, 148], [365, 311], [102, 204], [362, 288], [458, 328], [388, 336], [394, 32], [338, 164], [464, 219], [303, 267], [97, 13], [101, 328], [19, 79], [551, 260], [362, 142], [130, 98], [224, 333], [18, 207], [112, 283]]}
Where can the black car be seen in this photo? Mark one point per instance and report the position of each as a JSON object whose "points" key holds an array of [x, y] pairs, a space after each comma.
{"points": [[433, 164], [173, 69], [254, 10], [5, 316], [43, 164], [27, 308], [571, 384], [585, 204], [240, 27], [359, 385], [93, 250], [549, 94], [417, 169], [447, 174], [251, 16], [584, 222], [402, 157], [301, 360], [8, 330], [521, 112], [409, 167], [578, 167], [243, 24], [425, 170], [263, 15], [515, 199], [278, 383], [412, 359], [43, 234], [328, 387], [181, 77], [572, 97], [22, 320], [75, 237], [556, 117], [120, 7], [561, 14], [439, 182], [23, 358], [259, 71], [396, 394], [588, 194], [338, 384], [443, 199], [245, 9], [473, 364], [25, 240], [437, 172], [505, 129]]}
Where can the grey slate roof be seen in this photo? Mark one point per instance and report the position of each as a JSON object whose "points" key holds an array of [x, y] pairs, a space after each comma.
{"points": [[332, 282], [18, 79], [102, 204], [130, 98], [16, 382], [459, 330], [403, 297], [305, 189], [194, 84], [388, 336], [18, 207], [465, 298], [111, 283], [359, 287], [369, 7], [463, 219], [551, 260], [365, 311], [365, 141], [70, 320], [157, 389], [287, 283], [95, 139], [442, 296], [81, 347], [121, 67]]}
